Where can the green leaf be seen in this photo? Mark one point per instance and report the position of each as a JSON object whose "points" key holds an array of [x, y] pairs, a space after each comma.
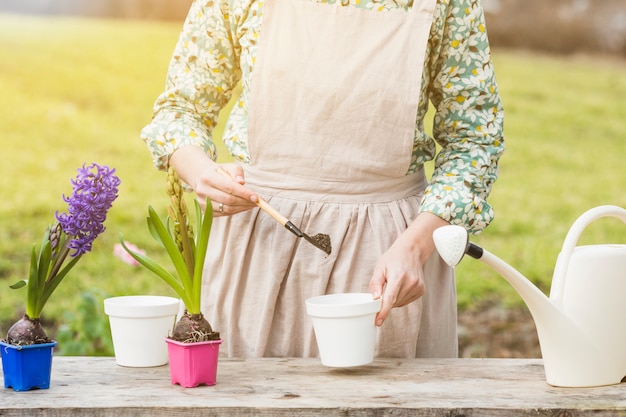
{"points": [[33, 282], [19, 284], [53, 283], [45, 255], [155, 268], [172, 250], [202, 243], [153, 230]]}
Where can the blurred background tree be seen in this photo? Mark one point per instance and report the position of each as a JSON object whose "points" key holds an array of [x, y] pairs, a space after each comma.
{"points": [[558, 26]]}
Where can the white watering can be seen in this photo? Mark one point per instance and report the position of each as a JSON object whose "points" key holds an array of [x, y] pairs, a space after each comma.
{"points": [[582, 326]]}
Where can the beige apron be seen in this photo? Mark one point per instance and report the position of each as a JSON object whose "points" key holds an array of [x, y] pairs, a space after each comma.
{"points": [[332, 115]]}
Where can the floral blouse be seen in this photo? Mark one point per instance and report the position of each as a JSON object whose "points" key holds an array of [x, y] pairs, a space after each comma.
{"points": [[216, 50]]}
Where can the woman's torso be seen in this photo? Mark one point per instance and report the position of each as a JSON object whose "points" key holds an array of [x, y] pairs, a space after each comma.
{"points": [[246, 17]]}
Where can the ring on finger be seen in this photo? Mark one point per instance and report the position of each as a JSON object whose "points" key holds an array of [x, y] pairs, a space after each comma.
{"points": [[220, 208]]}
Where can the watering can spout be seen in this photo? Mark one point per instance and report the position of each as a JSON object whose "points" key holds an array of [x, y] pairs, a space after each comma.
{"points": [[453, 243], [581, 333]]}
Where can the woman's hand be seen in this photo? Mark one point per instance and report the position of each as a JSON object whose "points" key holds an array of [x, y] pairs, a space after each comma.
{"points": [[225, 189], [398, 276]]}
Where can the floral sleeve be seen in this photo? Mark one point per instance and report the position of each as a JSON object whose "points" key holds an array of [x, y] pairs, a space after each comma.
{"points": [[468, 123], [188, 110]]}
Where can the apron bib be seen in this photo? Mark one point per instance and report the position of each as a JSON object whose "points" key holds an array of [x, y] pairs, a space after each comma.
{"points": [[332, 113], [335, 89]]}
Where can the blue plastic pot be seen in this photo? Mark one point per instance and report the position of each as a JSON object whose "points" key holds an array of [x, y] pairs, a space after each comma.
{"points": [[27, 367]]}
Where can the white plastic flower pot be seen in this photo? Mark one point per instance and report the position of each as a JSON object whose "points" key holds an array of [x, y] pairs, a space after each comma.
{"points": [[139, 325], [344, 328]]}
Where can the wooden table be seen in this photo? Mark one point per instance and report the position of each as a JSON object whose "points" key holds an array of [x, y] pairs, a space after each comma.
{"points": [[96, 386]]}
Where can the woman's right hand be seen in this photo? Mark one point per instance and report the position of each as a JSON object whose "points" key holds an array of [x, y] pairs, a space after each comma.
{"points": [[223, 184]]}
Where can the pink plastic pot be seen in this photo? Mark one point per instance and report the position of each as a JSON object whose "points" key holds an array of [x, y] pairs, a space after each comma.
{"points": [[193, 364]]}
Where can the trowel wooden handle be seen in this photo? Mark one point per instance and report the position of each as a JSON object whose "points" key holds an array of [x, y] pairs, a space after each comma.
{"points": [[271, 211], [260, 202]]}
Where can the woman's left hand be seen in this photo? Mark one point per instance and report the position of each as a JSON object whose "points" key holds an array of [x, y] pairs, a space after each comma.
{"points": [[398, 276]]}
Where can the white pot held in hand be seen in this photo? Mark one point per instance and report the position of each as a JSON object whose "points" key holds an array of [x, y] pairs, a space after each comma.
{"points": [[344, 327], [139, 326]]}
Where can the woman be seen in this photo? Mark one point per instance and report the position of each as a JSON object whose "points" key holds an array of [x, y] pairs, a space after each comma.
{"points": [[329, 130]]}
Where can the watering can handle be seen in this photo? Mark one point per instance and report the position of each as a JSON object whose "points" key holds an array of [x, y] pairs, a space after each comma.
{"points": [[560, 270]]}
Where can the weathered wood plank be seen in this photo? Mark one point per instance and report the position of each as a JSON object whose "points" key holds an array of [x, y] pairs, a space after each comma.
{"points": [[97, 387]]}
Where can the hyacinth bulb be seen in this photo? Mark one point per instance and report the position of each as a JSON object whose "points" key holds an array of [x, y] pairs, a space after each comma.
{"points": [[27, 331], [193, 328]]}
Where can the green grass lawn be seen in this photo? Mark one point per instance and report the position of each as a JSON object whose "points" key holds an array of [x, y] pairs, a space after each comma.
{"points": [[79, 90]]}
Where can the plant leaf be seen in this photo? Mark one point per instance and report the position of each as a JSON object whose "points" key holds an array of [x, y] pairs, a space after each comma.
{"points": [[19, 284], [33, 282], [53, 283], [157, 269], [202, 243], [172, 250], [45, 255], [153, 231]]}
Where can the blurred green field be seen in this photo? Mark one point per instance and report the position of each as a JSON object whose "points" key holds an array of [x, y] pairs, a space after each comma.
{"points": [[80, 90]]}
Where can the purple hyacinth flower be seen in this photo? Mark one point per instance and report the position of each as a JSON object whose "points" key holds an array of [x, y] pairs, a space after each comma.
{"points": [[94, 190]]}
